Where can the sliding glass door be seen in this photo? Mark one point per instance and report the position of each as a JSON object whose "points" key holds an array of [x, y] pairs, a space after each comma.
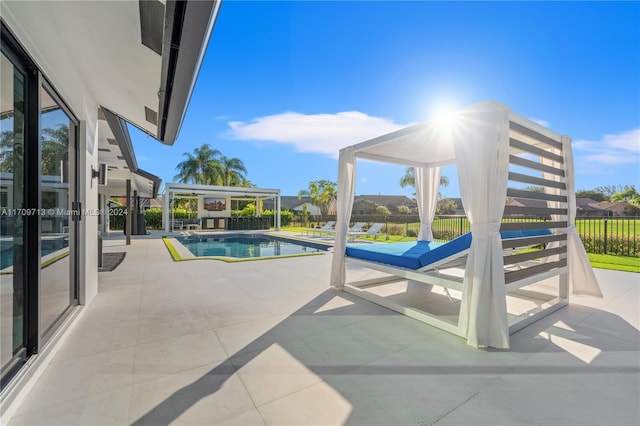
{"points": [[38, 230], [12, 223]]}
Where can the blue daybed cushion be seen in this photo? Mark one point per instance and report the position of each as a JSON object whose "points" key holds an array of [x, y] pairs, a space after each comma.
{"points": [[417, 254], [405, 255]]}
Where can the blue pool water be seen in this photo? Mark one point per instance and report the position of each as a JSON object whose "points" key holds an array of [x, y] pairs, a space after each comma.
{"points": [[46, 247], [246, 245]]}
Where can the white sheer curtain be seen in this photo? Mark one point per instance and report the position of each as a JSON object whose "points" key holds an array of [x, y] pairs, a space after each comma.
{"points": [[482, 154], [427, 185], [581, 276], [344, 204]]}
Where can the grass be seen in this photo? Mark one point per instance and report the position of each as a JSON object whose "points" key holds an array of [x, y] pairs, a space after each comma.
{"points": [[616, 263]]}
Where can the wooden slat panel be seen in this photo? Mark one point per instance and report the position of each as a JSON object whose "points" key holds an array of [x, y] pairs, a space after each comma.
{"points": [[518, 177], [521, 193], [532, 211], [515, 226], [512, 276], [538, 254], [523, 146], [513, 159], [535, 135], [533, 241]]}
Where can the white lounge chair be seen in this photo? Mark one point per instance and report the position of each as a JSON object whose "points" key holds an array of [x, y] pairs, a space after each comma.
{"points": [[373, 231], [326, 228], [357, 227]]}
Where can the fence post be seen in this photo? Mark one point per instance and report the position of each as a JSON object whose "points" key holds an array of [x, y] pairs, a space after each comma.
{"points": [[460, 220], [605, 235]]}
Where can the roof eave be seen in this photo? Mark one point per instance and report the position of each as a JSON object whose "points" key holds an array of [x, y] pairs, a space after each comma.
{"points": [[188, 28]]}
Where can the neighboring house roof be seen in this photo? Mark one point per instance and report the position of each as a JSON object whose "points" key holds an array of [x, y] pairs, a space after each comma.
{"points": [[525, 202], [386, 200], [582, 202], [287, 202]]}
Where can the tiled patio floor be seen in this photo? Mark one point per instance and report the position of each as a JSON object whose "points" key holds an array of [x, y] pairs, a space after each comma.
{"points": [[267, 342]]}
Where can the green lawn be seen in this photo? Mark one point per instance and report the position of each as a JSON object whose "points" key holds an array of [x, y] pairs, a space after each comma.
{"points": [[618, 263], [614, 226]]}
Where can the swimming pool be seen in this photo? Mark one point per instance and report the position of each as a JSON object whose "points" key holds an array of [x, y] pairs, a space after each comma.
{"points": [[47, 246], [245, 246]]}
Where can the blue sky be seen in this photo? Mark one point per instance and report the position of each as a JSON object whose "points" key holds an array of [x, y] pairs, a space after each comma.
{"points": [[284, 85]]}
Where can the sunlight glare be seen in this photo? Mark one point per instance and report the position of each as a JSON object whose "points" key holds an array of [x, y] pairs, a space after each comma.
{"points": [[445, 113]]}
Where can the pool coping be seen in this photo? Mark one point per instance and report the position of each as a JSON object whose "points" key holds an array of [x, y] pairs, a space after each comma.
{"points": [[179, 253]]}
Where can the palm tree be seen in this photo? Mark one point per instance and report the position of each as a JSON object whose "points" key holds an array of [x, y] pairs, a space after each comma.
{"points": [[628, 194], [10, 151], [55, 150], [409, 179], [203, 167], [320, 193], [233, 171]]}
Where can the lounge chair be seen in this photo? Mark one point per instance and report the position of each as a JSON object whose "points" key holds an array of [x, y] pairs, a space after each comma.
{"points": [[357, 227], [373, 231], [326, 228]]}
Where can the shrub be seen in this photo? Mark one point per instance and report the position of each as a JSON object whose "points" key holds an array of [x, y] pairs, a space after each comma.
{"points": [[412, 233], [394, 229], [383, 210], [616, 245], [286, 217], [153, 218], [116, 220], [444, 234]]}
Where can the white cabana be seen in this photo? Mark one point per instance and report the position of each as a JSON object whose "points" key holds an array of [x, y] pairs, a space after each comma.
{"points": [[486, 142], [214, 203]]}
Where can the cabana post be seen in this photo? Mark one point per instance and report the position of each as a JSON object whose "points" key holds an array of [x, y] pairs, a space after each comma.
{"points": [[495, 151]]}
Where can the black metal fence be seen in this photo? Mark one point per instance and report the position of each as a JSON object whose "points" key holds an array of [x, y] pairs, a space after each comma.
{"points": [[618, 236]]}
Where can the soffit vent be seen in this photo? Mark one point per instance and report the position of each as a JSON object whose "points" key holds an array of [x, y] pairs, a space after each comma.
{"points": [[104, 150], [151, 116], [152, 24], [112, 141], [120, 157]]}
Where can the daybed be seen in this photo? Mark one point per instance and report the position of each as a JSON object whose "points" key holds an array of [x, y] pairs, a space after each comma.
{"points": [[498, 154]]}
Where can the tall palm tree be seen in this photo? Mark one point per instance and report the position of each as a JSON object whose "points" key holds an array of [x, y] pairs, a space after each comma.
{"points": [[233, 171], [409, 178], [10, 151], [203, 167], [320, 193], [55, 150]]}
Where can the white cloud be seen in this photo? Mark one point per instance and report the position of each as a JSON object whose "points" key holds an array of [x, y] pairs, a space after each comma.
{"points": [[627, 141], [317, 133], [612, 149], [543, 123]]}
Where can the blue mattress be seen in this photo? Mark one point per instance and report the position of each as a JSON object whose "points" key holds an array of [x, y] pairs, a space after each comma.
{"points": [[418, 254]]}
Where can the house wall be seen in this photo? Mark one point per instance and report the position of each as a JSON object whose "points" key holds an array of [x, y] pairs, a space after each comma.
{"points": [[313, 210]]}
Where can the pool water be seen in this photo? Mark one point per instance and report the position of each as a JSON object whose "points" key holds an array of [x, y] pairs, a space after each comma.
{"points": [[246, 246], [47, 246]]}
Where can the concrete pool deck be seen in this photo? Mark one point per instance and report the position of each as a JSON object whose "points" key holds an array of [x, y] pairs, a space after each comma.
{"points": [[269, 343]]}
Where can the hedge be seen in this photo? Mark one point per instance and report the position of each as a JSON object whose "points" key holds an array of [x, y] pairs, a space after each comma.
{"points": [[616, 245], [153, 217]]}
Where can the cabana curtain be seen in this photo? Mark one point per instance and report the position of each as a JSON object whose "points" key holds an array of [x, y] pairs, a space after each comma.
{"points": [[344, 205], [427, 181], [581, 276], [482, 155]]}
